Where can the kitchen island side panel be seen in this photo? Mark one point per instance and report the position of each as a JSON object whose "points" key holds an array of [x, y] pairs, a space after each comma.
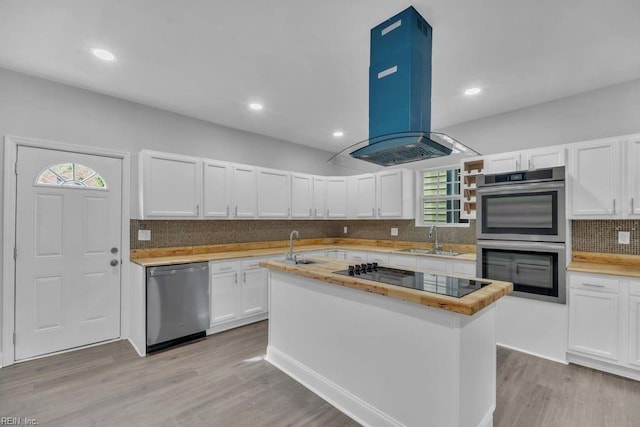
{"points": [[380, 360]]}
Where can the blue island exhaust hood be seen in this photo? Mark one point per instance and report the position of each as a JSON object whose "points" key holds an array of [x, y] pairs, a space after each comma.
{"points": [[400, 95]]}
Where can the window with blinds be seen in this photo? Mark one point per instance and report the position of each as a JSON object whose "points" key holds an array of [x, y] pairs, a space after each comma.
{"points": [[441, 196]]}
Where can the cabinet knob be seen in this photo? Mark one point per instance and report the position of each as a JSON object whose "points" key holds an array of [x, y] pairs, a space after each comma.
{"points": [[227, 210], [198, 209], [631, 212], [310, 214], [614, 206], [379, 211], [114, 262]]}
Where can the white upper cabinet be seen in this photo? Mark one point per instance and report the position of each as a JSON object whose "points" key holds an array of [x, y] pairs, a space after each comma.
{"points": [[274, 193], [363, 195], [336, 201], [596, 178], [633, 176], [245, 192], [301, 196], [319, 196], [538, 158], [544, 158], [504, 162], [216, 189], [395, 194], [171, 185]]}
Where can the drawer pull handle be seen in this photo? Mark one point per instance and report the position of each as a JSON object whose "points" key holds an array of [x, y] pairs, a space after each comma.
{"points": [[593, 285], [226, 268]]}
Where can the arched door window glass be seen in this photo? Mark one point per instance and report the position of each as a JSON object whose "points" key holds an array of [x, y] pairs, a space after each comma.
{"points": [[71, 175]]}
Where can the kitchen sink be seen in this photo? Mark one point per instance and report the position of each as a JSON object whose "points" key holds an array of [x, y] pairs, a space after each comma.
{"points": [[429, 252], [308, 261]]}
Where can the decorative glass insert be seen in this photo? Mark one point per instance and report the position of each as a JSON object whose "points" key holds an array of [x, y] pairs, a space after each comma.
{"points": [[71, 175]]}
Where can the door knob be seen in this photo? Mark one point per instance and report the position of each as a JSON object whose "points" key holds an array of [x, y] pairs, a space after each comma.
{"points": [[114, 250], [114, 262]]}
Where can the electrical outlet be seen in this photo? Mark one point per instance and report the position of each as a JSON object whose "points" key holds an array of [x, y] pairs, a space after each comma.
{"points": [[624, 237], [144, 235], [345, 230], [394, 231]]}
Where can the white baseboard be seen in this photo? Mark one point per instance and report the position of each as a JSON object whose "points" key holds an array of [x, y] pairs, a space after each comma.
{"points": [[237, 323], [141, 353], [487, 420], [542, 356], [604, 366], [338, 397]]}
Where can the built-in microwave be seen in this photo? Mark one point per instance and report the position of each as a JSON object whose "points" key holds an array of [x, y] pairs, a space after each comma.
{"points": [[524, 206], [536, 269]]}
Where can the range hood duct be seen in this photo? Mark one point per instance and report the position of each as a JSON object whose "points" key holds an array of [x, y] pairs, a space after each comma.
{"points": [[400, 95]]}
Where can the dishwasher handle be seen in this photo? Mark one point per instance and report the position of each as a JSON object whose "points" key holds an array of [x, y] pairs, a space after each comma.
{"points": [[154, 272]]}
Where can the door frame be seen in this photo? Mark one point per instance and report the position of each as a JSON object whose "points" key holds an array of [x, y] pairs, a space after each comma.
{"points": [[11, 144]]}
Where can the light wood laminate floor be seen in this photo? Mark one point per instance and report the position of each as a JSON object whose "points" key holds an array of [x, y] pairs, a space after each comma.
{"points": [[221, 381]]}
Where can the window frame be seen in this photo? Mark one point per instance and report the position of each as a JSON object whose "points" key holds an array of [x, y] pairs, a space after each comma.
{"points": [[420, 222]]}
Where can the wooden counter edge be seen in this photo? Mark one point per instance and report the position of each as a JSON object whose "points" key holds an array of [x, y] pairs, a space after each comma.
{"points": [[468, 305]]}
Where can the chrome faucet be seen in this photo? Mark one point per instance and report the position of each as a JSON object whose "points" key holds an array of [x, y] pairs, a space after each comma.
{"points": [[436, 245], [291, 258]]}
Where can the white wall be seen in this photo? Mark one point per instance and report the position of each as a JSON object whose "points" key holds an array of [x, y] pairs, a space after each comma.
{"points": [[601, 113]]}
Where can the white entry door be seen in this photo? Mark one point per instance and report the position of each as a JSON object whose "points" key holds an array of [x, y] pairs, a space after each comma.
{"points": [[68, 228]]}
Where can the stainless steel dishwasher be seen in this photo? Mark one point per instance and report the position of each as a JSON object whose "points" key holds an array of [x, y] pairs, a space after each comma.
{"points": [[177, 304]]}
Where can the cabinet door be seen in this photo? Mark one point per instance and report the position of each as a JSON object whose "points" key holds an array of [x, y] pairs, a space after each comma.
{"points": [[593, 323], [319, 197], [390, 194], [365, 197], [595, 179], [467, 268], [224, 297], [217, 189], [254, 292], [244, 192], [633, 176], [634, 330], [301, 196], [274, 190], [171, 185], [544, 158], [356, 257], [499, 163], [336, 197]]}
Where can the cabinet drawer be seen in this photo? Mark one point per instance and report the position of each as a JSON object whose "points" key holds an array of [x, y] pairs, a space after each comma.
{"points": [[223, 266], [382, 259], [402, 261], [432, 264], [251, 263], [594, 283]]}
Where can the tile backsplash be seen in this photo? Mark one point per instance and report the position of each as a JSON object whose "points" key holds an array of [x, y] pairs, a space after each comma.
{"points": [[602, 236], [169, 233]]}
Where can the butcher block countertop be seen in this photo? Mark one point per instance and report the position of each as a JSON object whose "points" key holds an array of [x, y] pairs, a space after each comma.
{"points": [[323, 271], [187, 254], [600, 263]]}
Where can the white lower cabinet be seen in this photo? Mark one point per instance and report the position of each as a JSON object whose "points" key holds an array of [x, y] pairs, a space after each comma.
{"points": [[593, 316], [239, 293], [254, 288], [634, 324], [380, 258], [604, 322], [402, 261]]}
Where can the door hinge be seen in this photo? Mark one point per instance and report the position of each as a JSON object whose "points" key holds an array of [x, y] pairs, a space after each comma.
{"points": [[14, 338], [15, 252]]}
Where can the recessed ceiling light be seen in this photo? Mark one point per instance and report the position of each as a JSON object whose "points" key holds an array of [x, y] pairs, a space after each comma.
{"points": [[472, 91], [338, 133], [256, 106], [105, 55]]}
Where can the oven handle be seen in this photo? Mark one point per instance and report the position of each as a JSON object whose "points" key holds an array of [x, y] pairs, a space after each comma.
{"points": [[520, 188], [522, 245]]}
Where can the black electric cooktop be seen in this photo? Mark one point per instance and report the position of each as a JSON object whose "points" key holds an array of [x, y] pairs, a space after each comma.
{"points": [[426, 282]]}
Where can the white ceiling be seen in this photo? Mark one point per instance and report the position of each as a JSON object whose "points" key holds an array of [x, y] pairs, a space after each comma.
{"points": [[307, 61]]}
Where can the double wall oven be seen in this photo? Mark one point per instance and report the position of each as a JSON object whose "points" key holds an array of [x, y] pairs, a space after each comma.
{"points": [[521, 231]]}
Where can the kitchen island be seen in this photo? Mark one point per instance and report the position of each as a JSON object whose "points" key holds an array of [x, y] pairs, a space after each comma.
{"points": [[385, 354]]}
